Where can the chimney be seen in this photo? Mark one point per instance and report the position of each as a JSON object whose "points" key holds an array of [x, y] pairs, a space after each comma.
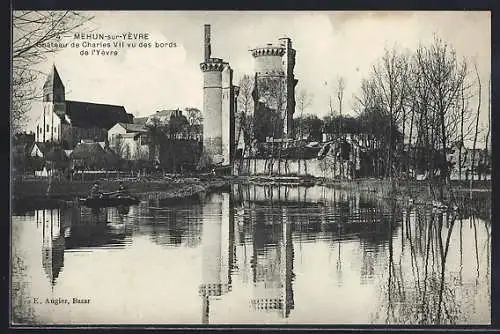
{"points": [[208, 50]]}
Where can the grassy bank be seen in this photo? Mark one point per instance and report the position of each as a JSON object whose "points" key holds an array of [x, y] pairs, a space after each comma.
{"points": [[41, 193], [38, 194]]}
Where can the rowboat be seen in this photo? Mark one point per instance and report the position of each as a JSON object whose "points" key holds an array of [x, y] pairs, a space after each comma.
{"points": [[109, 200]]}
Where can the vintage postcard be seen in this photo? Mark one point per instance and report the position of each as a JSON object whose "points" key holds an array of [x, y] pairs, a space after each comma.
{"points": [[253, 168]]}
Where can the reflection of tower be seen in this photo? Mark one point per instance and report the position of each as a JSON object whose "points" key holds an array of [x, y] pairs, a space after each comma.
{"points": [[217, 249], [53, 244], [273, 268]]}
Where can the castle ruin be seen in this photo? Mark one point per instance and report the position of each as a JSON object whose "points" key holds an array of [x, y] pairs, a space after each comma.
{"points": [[274, 89], [219, 107]]}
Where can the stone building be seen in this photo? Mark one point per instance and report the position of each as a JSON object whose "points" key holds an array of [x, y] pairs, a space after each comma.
{"points": [[129, 141], [68, 122], [219, 107], [274, 86]]}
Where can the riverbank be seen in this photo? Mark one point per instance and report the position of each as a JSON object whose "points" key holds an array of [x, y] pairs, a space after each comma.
{"points": [[456, 194], [42, 193]]}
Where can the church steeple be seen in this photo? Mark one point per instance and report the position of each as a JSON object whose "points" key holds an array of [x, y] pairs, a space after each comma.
{"points": [[53, 89]]}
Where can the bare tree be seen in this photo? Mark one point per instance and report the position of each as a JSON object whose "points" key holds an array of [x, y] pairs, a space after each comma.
{"points": [[444, 76], [390, 78], [244, 125], [36, 34], [195, 121], [274, 95], [304, 101], [340, 92], [245, 110], [466, 125], [476, 127], [488, 128]]}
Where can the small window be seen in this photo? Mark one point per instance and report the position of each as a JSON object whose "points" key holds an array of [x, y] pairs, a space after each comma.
{"points": [[48, 128], [47, 96]]}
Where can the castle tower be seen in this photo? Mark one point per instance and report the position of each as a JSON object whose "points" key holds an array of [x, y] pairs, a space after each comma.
{"points": [[218, 106], [274, 90], [53, 103]]}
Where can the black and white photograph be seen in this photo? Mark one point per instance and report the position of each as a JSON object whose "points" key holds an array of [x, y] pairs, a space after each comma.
{"points": [[250, 168]]}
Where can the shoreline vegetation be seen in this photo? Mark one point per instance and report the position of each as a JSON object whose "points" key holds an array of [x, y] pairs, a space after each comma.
{"points": [[43, 193]]}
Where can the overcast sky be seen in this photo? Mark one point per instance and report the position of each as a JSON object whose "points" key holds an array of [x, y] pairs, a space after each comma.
{"points": [[328, 44]]}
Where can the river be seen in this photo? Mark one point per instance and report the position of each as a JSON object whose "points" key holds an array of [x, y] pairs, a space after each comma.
{"points": [[252, 255]]}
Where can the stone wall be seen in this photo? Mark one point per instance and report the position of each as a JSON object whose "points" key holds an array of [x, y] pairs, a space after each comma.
{"points": [[325, 168]]}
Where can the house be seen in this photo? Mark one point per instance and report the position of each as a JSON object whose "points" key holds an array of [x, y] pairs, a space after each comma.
{"points": [[90, 155], [48, 157], [460, 158], [129, 141], [68, 122]]}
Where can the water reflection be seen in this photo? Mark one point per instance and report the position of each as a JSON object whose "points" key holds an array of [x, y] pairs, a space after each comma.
{"points": [[77, 229], [267, 254]]}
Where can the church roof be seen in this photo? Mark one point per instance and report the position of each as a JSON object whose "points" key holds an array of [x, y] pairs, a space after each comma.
{"points": [[103, 116], [53, 79]]}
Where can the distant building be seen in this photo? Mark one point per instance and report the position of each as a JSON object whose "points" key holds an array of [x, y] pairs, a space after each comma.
{"points": [[461, 161], [161, 117], [90, 155], [129, 141], [68, 122]]}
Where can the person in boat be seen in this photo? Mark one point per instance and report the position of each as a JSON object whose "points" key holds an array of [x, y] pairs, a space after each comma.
{"points": [[95, 191], [122, 189]]}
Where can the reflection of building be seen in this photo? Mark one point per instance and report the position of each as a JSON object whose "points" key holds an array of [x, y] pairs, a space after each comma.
{"points": [[53, 243], [70, 229], [273, 267], [217, 250]]}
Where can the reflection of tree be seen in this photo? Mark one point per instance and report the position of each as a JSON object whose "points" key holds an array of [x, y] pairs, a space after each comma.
{"points": [[425, 291]]}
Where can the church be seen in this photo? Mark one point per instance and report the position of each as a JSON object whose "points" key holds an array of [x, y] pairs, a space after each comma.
{"points": [[67, 122]]}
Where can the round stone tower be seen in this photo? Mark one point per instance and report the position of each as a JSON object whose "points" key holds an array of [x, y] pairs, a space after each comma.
{"points": [[275, 84], [219, 107], [212, 107], [268, 60]]}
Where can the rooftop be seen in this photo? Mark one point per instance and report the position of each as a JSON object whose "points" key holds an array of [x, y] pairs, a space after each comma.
{"points": [[88, 114]]}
